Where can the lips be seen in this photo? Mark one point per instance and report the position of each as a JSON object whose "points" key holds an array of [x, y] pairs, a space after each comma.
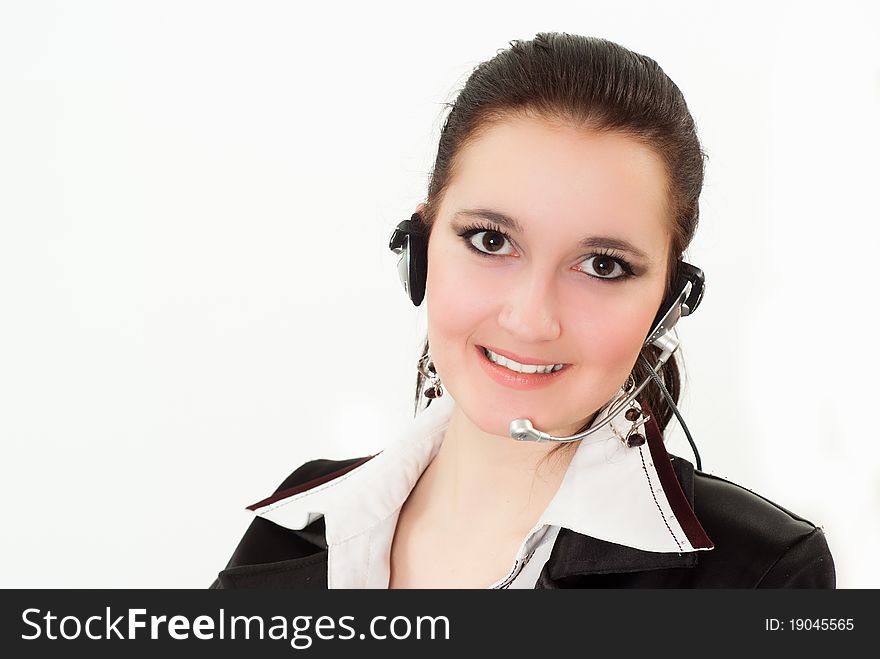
{"points": [[526, 361], [514, 380], [521, 368]]}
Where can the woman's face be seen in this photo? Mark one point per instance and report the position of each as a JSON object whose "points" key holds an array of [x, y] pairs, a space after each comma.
{"points": [[549, 248]]}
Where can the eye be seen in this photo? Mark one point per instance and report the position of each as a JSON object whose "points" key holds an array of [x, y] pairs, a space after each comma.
{"points": [[603, 266], [490, 242]]}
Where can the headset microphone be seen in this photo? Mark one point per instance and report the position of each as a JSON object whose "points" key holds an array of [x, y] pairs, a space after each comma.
{"points": [[410, 241]]}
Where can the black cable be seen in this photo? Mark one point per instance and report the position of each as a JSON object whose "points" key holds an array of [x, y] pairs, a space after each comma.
{"points": [[671, 402]]}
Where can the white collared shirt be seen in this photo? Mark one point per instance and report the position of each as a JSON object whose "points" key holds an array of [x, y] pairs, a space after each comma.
{"points": [[609, 492]]}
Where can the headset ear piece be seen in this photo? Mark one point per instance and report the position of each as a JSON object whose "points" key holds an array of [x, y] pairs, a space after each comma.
{"points": [[410, 241], [687, 293], [693, 275]]}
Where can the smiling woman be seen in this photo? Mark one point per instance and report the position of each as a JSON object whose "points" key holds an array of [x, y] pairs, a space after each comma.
{"points": [[564, 193], [542, 286]]}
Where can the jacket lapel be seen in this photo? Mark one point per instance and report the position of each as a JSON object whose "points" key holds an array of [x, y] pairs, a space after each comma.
{"points": [[309, 572], [271, 556], [576, 555]]}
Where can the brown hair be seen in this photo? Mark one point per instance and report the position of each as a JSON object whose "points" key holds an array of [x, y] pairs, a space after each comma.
{"points": [[595, 84]]}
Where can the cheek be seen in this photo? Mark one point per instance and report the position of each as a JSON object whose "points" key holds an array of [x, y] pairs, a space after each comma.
{"points": [[611, 328], [616, 351], [458, 296]]}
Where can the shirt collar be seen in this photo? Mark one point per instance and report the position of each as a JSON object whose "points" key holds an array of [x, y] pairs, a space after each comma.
{"points": [[626, 496]]}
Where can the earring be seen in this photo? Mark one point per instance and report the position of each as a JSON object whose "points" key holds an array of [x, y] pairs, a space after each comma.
{"points": [[634, 415], [426, 368], [638, 418]]}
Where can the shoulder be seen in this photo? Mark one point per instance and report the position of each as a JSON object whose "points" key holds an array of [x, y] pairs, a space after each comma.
{"points": [[265, 542], [763, 542]]}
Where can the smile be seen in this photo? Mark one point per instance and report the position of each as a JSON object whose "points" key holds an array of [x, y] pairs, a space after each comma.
{"points": [[516, 367]]}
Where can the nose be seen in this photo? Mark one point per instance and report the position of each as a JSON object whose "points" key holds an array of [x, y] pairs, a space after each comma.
{"points": [[529, 310]]}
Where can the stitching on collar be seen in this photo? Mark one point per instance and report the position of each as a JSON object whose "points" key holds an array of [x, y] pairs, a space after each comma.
{"points": [[654, 495], [315, 490]]}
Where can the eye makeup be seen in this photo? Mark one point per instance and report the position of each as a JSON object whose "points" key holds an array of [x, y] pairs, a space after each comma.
{"points": [[468, 232]]}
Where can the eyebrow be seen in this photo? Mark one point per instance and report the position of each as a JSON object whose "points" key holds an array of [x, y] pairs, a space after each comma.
{"points": [[593, 242]]}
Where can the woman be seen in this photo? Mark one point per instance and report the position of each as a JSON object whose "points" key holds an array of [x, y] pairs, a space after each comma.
{"points": [[564, 193]]}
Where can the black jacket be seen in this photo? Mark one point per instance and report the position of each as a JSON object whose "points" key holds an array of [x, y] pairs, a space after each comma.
{"points": [[758, 544]]}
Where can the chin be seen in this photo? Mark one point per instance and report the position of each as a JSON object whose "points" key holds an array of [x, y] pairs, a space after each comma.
{"points": [[498, 423], [493, 413], [487, 418]]}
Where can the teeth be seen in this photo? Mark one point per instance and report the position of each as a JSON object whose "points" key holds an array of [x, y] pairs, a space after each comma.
{"points": [[520, 368]]}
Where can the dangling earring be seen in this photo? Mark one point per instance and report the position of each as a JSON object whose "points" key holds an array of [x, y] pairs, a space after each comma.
{"points": [[638, 418], [426, 368], [634, 415]]}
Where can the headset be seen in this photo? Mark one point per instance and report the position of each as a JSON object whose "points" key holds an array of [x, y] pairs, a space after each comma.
{"points": [[410, 242]]}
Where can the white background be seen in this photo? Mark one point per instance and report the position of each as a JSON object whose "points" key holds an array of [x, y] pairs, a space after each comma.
{"points": [[196, 294]]}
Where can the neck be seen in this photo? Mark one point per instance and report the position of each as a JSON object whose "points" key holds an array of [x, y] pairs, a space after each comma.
{"points": [[490, 482]]}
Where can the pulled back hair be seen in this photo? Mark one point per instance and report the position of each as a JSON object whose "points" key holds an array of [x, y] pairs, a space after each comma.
{"points": [[601, 86]]}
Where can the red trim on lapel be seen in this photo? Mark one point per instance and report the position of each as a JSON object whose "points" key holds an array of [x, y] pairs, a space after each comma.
{"points": [[672, 488], [308, 485]]}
